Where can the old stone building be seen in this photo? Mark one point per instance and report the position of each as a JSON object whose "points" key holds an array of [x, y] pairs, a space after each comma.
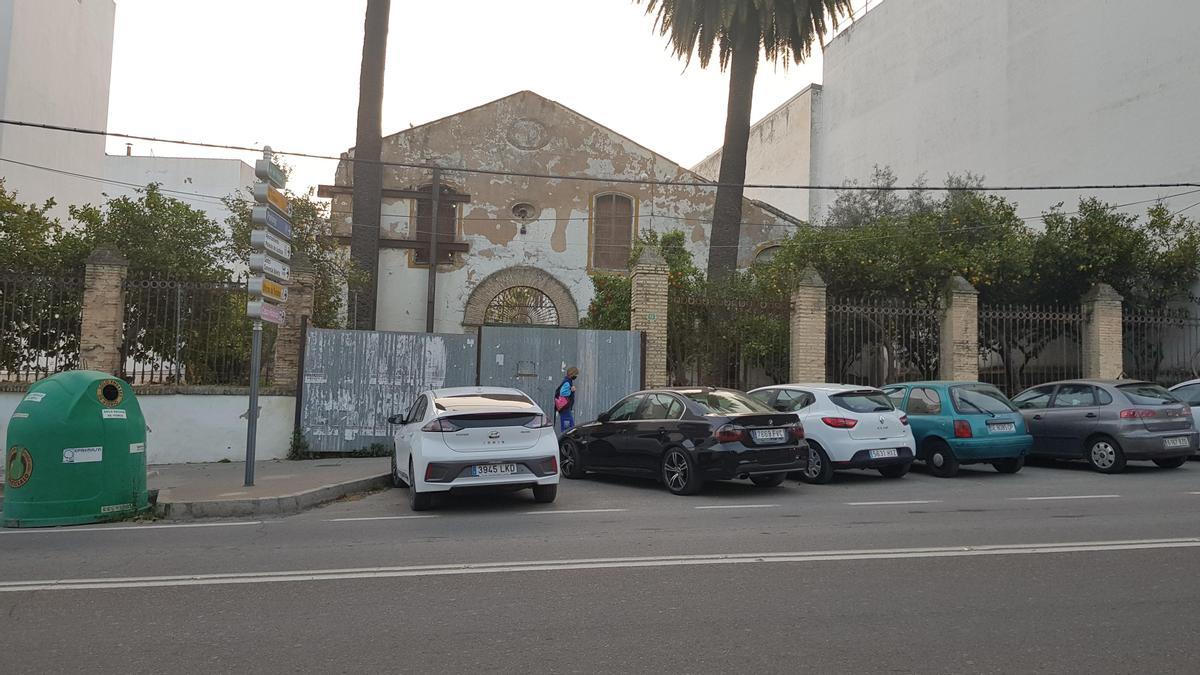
{"points": [[519, 249]]}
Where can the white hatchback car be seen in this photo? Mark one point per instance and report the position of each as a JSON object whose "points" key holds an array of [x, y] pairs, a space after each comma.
{"points": [[847, 427], [457, 439]]}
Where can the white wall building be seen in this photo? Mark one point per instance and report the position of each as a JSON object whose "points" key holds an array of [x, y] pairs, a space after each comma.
{"points": [[1019, 91], [55, 68]]}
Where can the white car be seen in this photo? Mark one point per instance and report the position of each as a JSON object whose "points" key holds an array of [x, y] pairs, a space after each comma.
{"points": [[1189, 393], [458, 439], [847, 427]]}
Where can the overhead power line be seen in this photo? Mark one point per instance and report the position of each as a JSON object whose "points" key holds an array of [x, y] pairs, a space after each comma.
{"points": [[195, 196], [630, 181]]}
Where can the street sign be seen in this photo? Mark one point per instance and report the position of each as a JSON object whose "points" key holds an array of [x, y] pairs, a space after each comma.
{"points": [[265, 169], [265, 194], [265, 264], [269, 218], [264, 240], [265, 311], [267, 290]]}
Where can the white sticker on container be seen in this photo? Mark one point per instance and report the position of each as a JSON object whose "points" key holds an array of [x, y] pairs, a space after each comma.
{"points": [[137, 448], [113, 414], [83, 455], [35, 397], [20, 416], [116, 507]]}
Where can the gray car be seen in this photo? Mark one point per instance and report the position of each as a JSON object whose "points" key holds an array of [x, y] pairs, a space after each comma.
{"points": [[1108, 422]]}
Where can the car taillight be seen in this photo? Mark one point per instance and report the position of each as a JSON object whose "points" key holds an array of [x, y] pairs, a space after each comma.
{"points": [[729, 433], [539, 422], [904, 420], [962, 429], [1137, 414], [428, 472], [441, 426], [840, 422], [798, 431], [553, 464]]}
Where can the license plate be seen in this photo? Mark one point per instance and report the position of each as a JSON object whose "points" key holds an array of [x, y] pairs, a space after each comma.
{"points": [[886, 453], [493, 469], [1175, 442], [1003, 428], [770, 435]]}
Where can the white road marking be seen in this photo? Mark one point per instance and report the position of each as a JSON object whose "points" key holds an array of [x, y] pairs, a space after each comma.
{"points": [[590, 564], [914, 501], [738, 506], [1194, 493], [555, 513], [358, 520], [1047, 499], [69, 530]]}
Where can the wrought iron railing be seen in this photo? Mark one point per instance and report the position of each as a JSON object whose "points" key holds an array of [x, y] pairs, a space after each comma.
{"points": [[1024, 346], [1161, 346], [877, 341], [39, 326], [718, 340]]}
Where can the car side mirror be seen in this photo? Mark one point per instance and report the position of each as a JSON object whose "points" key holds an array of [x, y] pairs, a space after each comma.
{"points": [[604, 417], [397, 419]]}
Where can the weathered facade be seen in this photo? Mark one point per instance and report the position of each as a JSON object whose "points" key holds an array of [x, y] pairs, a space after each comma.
{"points": [[529, 243]]}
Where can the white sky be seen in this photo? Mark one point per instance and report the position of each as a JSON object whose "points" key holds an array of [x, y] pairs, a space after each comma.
{"points": [[285, 72]]}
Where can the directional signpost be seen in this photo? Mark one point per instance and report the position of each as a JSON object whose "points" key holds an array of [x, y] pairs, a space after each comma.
{"points": [[270, 269]]}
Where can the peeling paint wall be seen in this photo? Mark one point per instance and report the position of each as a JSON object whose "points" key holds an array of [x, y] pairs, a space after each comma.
{"points": [[527, 133]]}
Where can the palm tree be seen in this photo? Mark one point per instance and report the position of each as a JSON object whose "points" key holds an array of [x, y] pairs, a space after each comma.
{"points": [[737, 30], [368, 176]]}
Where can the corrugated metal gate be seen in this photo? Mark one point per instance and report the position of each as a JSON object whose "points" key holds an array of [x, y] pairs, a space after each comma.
{"points": [[353, 380]]}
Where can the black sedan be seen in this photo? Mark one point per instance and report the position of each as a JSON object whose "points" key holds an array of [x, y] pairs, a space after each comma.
{"points": [[686, 436]]}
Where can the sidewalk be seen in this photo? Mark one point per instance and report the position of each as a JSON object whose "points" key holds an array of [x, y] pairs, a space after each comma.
{"points": [[280, 487]]}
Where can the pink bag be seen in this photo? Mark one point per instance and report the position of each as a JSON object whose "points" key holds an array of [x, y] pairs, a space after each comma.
{"points": [[560, 403]]}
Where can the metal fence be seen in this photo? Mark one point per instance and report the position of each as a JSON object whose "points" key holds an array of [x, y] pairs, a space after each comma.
{"points": [[189, 333], [719, 341], [39, 326], [878, 341], [1023, 346], [1161, 345]]}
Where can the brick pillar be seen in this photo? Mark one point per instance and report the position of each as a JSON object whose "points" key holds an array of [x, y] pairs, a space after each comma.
{"points": [[648, 312], [810, 304], [1103, 346], [103, 323], [301, 291], [959, 358]]}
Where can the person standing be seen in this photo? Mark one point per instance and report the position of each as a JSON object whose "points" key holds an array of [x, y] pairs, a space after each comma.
{"points": [[564, 402]]}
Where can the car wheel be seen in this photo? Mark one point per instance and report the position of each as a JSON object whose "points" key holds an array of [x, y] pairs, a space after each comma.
{"points": [[941, 460], [895, 470], [769, 481], [568, 460], [679, 473], [1171, 462], [544, 494], [819, 470], [1105, 455], [418, 501], [397, 481], [1009, 465]]}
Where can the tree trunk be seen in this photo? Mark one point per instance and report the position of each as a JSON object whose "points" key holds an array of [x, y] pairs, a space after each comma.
{"points": [[727, 213], [368, 176]]}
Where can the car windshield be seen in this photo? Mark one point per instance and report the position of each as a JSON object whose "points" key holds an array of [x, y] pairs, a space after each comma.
{"points": [[980, 398], [726, 402], [1142, 393], [863, 401]]}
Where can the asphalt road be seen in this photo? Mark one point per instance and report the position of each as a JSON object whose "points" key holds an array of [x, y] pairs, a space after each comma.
{"points": [[1055, 569]]}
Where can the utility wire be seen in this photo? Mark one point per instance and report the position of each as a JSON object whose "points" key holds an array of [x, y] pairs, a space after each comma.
{"points": [[631, 181], [192, 195]]}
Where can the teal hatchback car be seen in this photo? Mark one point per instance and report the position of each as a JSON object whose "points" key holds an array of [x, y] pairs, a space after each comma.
{"points": [[958, 423]]}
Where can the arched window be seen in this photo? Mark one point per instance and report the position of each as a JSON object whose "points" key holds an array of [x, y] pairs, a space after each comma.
{"points": [[447, 225], [612, 231], [767, 254], [522, 305]]}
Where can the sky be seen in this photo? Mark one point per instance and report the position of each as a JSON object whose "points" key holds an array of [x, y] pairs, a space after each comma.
{"points": [[285, 73]]}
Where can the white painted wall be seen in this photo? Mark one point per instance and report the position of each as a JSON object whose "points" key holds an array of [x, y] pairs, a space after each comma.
{"points": [[55, 60], [204, 180], [1021, 91], [191, 428]]}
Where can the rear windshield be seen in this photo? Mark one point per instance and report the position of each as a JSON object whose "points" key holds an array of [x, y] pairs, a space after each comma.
{"points": [[1147, 394], [863, 401], [475, 399], [979, 398], [726, 402]]}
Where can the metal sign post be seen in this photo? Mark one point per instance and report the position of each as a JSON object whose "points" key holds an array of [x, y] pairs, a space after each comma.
{"points": [[270, 268]]}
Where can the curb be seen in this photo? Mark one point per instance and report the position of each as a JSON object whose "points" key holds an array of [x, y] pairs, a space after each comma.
{"points": [[270, 506]]}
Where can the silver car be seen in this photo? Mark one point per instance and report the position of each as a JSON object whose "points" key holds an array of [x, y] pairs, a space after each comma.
{"points": [[1108, 422]]}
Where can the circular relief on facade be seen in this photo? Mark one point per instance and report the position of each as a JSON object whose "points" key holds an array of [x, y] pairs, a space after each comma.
{"points": [[524, 212], [18, 467], [110, 394], [523, 306], [528, 134]]}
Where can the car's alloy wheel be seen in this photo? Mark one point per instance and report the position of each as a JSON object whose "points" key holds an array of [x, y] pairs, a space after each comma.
{"points": [[941, 460], [819, 470], [678, 473], [1106, 456], [568, 460]]}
